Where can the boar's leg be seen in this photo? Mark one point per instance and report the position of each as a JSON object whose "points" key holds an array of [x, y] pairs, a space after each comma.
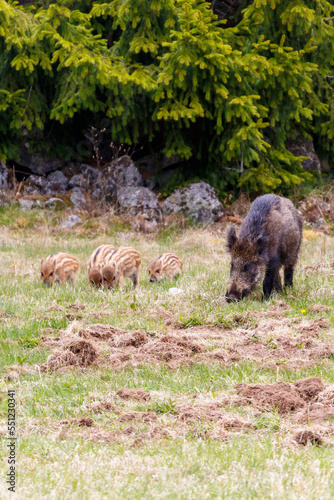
{"points": [[272, 279], [288, 276], [135, 280], [277, 282]]}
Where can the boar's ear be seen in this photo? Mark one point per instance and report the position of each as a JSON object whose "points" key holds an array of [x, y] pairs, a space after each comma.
{"points": [[42, 261], [231, 238], [262, 244]]}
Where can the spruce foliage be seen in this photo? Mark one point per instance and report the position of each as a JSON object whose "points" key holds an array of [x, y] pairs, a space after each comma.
{"points": [[227, 98]]}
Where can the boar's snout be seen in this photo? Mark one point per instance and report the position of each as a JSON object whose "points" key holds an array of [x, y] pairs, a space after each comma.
{"points": [[232, 297]]}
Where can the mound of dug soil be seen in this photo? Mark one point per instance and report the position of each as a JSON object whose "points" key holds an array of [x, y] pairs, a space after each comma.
{"points": [[309, 388], [281, 341], [278, 340], [307, 400], [306, 415], [104, 345], [280, 396]]}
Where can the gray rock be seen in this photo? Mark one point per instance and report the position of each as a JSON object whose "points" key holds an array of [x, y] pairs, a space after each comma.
{"points": [[77, 197], [36, 184], [37, 162], [57, 178], [139, 200], [26, 204], [4, 176], [86, 179], [197, 201], [304, 147], [70, 221], [39, 185], [119, 173], [78, 181], [89, 172]]}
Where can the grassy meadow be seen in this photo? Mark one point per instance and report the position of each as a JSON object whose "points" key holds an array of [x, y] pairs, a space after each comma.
{"points": [[157, 446]]}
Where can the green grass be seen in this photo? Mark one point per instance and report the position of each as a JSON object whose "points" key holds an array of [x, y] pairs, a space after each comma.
{"points": [[259, 463]]}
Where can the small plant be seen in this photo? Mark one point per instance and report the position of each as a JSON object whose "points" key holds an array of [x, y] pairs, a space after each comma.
{"points": [[29, 342], [300, 346], [20, 360], [167, 406], [94, 136], [191, 322]]}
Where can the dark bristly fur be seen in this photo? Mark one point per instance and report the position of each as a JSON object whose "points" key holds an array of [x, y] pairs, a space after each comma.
{"points": [[269, 238]]}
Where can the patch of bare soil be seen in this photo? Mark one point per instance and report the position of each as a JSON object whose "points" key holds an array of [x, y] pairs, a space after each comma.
{"points": [[99, 406], [73, 316], [81, 422], [210, 418], [275, 338], [212, 412], [280, 396], [104, 345], [309, 388], [305, 408], [142, 416], [77, 307], [281, 341], [306, 401], [138, 394]]}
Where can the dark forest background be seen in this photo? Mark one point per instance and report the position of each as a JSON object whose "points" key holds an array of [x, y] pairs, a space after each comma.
{"points": [[231, 91]]}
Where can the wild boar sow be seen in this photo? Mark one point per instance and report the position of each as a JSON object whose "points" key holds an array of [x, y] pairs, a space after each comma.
{"points": [[269, 238]]}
